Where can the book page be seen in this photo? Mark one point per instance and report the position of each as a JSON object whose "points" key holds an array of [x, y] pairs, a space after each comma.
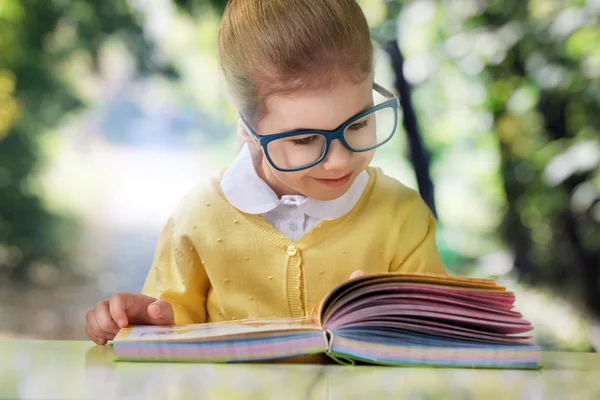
{"points": [[487, 286], [218, 330]]}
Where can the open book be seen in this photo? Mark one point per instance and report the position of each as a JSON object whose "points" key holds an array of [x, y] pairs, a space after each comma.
{"points": [[391, 319]]}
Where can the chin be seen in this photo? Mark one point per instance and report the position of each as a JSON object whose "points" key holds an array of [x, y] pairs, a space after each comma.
{"points": [[328, 194]]}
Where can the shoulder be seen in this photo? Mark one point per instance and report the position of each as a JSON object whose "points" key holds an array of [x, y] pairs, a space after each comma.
{"points": [[201, 201], [404, 206], [391, 191]]}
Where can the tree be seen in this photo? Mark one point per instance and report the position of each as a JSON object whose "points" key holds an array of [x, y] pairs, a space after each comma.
{"points": [[35, 36], [556, 241], [539, 65]]}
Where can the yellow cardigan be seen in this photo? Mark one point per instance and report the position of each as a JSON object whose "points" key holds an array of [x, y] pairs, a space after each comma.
{"points": [[215, 263]]}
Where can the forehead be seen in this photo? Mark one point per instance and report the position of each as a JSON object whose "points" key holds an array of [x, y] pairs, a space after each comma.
{"points": [[325, 108]]}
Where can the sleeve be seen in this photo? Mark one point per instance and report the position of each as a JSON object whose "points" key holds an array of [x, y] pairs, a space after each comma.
{"points": [[178, 277], [417, 251]]}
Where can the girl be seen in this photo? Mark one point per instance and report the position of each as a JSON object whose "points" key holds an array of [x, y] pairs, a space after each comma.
{"points": [[299, 210]]}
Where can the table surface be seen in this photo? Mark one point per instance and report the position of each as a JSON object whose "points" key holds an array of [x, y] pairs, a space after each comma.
{"points": [[82, 370]]}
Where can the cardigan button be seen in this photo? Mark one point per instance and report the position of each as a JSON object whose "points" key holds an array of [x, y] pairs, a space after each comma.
{"points": [[292, 250]]}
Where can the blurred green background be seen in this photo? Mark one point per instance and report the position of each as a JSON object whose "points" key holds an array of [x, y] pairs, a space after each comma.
{"points": [[110, 110]]}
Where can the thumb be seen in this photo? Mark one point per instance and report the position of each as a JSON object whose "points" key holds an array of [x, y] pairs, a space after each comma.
{"points": [[161, 312], [357, 274]]}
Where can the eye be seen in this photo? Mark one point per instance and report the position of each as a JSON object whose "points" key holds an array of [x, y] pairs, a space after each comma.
{"points": [[305, 141], [357, 125]]}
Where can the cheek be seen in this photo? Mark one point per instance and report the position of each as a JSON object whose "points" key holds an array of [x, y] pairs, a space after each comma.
{"points": [[365, 158], [291, 179]]}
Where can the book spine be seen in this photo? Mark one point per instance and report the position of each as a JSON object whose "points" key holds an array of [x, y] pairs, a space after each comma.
{"points": [[328, 336]]}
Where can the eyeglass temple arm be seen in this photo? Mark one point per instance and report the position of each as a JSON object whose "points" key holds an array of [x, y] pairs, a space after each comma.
{"points": [[248, 129], [383, 90]]}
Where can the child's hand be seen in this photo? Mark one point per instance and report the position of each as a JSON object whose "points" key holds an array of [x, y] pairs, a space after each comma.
{"points": [[357, 274], [109, 316]]}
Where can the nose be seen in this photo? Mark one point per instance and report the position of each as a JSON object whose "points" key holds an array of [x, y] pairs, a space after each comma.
{"points": [[338, 157]]}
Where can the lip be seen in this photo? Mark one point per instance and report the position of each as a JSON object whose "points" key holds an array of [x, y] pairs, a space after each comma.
{"points": [[335, 182]]}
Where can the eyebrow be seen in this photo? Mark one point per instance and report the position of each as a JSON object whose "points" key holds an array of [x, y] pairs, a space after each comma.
{"points": [[370, 105]]}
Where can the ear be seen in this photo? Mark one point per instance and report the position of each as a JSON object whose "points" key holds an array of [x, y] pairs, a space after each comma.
{"points": [[244, 136]]}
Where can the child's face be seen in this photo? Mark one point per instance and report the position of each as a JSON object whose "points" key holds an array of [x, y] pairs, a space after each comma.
{"points": [[326, 110]]}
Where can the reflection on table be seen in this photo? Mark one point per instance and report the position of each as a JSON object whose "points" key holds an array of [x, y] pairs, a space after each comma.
{"points": [[72, 369]]}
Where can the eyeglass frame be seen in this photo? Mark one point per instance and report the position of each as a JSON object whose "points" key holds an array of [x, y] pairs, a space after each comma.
{"points": [[330, 135]]}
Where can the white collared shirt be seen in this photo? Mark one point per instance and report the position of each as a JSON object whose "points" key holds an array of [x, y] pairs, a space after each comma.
{"points": [[291, 215]]}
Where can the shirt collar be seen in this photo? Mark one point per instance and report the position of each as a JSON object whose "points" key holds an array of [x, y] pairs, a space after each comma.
{"points": [[247, 192]]}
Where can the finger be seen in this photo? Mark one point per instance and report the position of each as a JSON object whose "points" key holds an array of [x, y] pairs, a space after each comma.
{"points": [[105, 319], [161, 313], [93, 327], [129, 308], [357, 274], [95, 338], [132, 308], [117, 304]]}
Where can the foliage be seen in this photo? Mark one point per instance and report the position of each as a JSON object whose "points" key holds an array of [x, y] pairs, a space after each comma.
{"points": [[508, 88], [532, 70], [35, 37]]}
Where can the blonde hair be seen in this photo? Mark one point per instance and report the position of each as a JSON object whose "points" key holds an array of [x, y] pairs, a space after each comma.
{"points": [[266, 47]]}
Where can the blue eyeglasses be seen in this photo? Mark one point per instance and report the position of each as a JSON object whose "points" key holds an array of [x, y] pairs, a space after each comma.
{"points": [[305, 148]]}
